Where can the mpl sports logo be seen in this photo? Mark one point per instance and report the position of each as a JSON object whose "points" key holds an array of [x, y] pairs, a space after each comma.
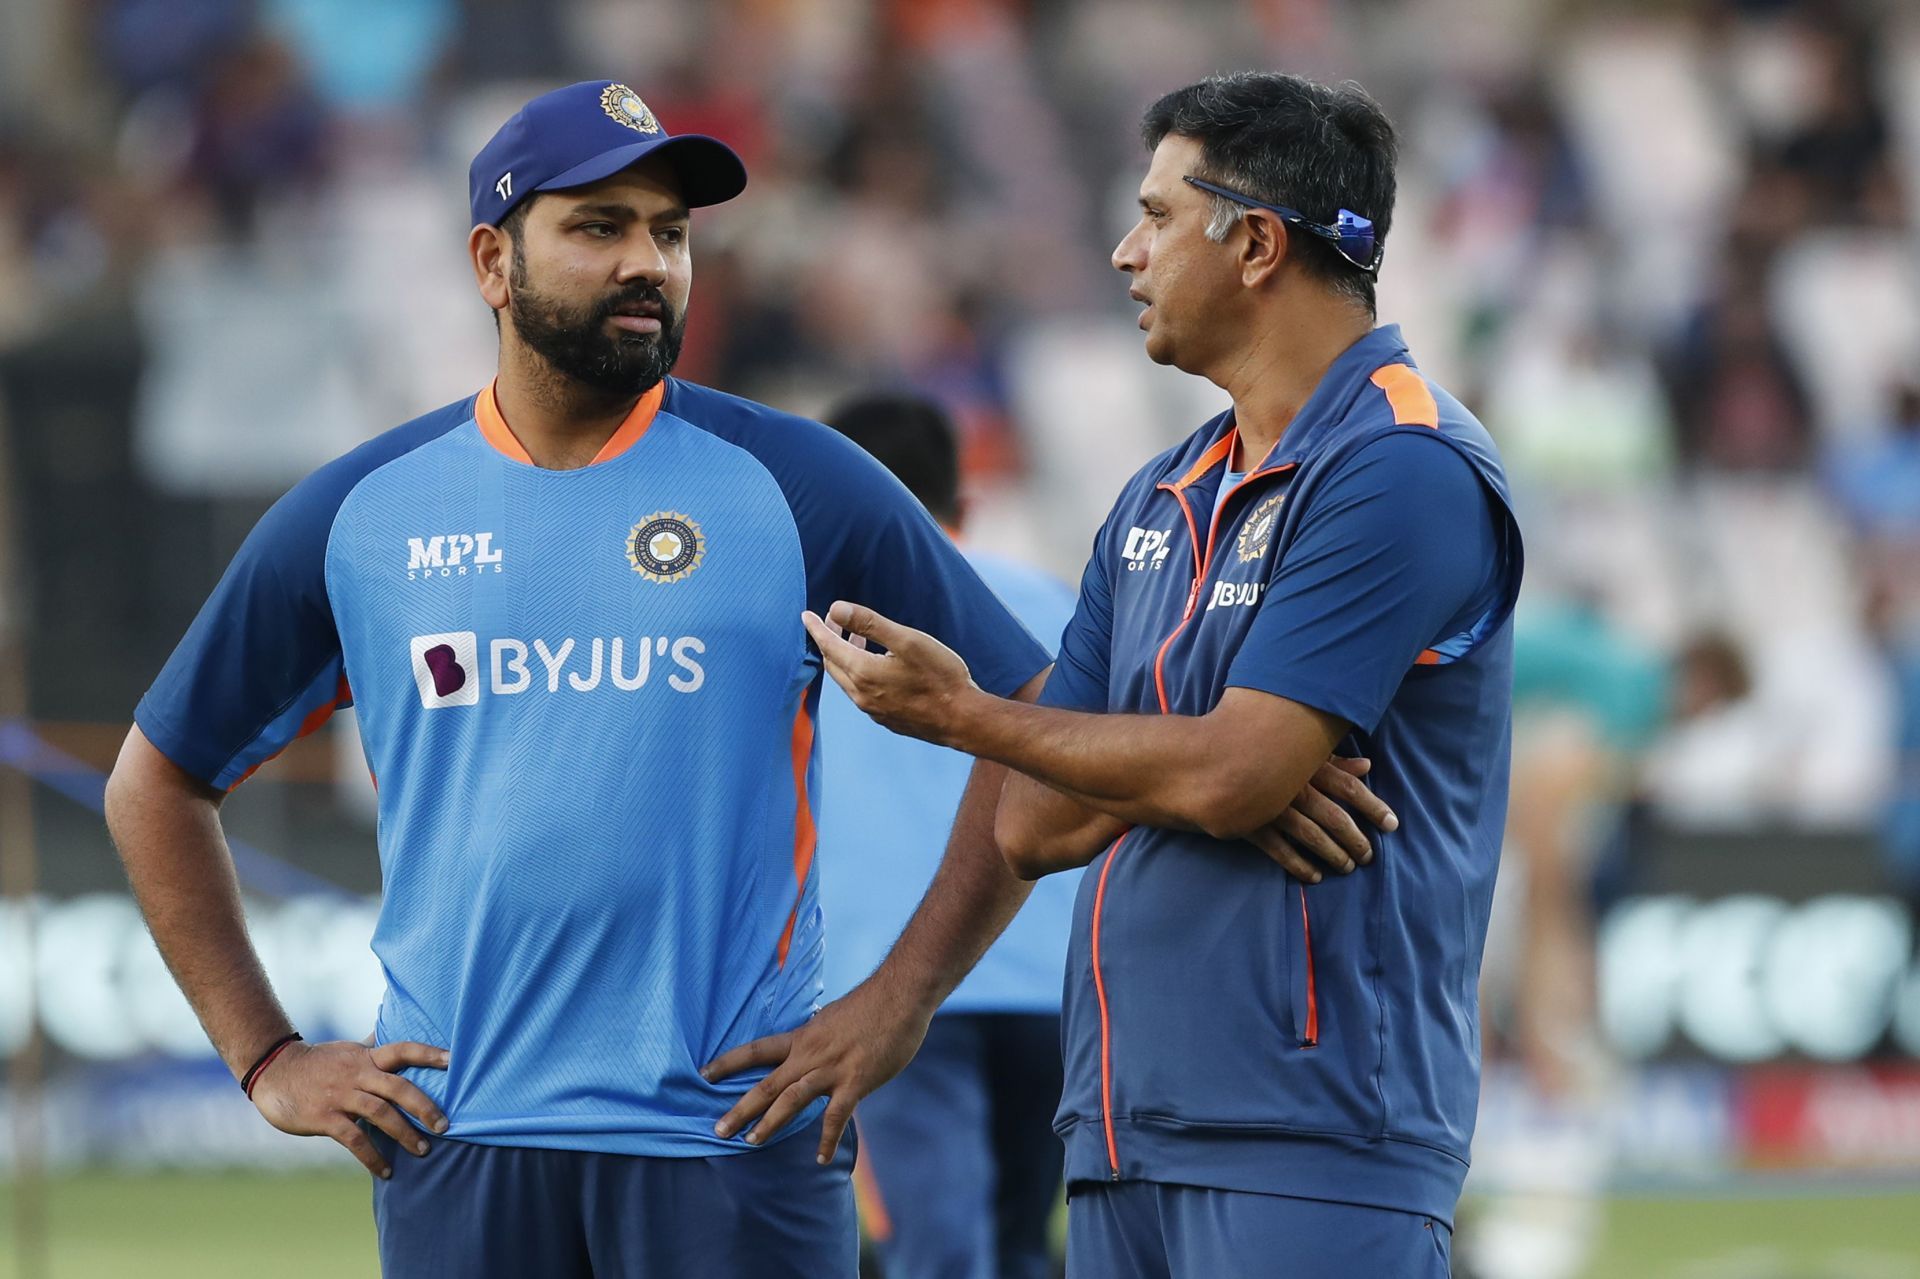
{"points": [[448, 670], [451, 555], [1146, 548]]}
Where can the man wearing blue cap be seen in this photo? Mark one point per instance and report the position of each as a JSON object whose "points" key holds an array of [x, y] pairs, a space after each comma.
{"points": [[567, 610], [1267, 1073]]}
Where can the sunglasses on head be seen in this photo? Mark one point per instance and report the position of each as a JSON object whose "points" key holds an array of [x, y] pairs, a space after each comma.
{"points": [[1350, 235]]}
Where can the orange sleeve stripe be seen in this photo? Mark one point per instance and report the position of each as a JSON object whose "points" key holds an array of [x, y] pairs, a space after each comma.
{"points": [[315, 718], [804, 835], [1428, 658], [1407, 394]]}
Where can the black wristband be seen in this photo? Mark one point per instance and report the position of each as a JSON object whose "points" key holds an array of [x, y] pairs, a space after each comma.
{"points": [[266, 1059]]}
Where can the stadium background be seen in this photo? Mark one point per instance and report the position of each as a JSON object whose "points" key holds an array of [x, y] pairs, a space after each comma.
{"points": [[1665, 249]]}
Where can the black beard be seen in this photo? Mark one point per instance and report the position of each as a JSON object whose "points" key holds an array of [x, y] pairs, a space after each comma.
{"points": [[575, 343]]}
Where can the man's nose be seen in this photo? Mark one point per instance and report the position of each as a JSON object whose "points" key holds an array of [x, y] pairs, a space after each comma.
{"points": [[1126, 254], [643, 261]]}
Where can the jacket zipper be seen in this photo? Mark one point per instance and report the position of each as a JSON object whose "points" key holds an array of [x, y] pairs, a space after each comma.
{"points": [[1202, 561]]}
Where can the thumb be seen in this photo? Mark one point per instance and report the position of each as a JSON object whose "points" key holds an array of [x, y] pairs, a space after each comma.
{"points": [[863, 621]]}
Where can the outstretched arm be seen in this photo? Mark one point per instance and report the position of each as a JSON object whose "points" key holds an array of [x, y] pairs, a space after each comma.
{"points": [[1230, 772]]}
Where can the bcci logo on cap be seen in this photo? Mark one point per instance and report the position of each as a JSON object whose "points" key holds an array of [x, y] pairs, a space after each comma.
{"points": [[666, 546], [624, 106]]}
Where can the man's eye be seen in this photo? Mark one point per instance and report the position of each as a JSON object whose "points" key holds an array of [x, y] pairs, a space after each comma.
{"points": [[599, 230], [673, 234]]}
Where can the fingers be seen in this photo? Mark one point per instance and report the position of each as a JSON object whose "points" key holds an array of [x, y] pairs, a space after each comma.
{"points": [[403, 1094], [382, 1115], [832, 1124], [1337, 823], [1313, 839], [840, 656], [1340, 779], [863, 621], [770, 1051], [354, 1138], [793, 1099], [403, 1053], [1270, 841]]}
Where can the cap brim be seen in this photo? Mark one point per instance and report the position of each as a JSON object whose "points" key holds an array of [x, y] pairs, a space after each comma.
{"points": [[709, 171]]}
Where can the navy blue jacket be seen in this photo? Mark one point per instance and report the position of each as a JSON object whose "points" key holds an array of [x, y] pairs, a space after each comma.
{"points": [[1226, 1025]]}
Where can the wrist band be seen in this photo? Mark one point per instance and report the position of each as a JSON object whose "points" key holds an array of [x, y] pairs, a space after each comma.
{"points": [[248, 1080]]}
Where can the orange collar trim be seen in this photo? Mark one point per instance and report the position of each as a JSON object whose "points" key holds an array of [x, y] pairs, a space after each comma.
{"points": [[1222, 449], [486, 415]]}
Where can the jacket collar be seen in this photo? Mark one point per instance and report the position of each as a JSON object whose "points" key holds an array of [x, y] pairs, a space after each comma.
{"points": [[1322, 418]]}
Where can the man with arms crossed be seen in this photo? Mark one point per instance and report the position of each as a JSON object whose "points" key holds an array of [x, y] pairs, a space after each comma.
{"points": [[567, 610], [1266, 1074]]}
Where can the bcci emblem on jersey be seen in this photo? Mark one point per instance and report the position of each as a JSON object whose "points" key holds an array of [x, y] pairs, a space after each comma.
{"points": [[666, 546], [624, 106], [1257, 533]]}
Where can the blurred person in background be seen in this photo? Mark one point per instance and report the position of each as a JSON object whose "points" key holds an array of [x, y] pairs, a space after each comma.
{"points": [[957, 1151], [1718, 761], [598, 863], [1587, 702], [1261, 1060]]}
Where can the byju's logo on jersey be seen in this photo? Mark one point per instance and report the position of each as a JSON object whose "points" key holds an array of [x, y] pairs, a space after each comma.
{"points": [[451, 555], [1146, 548], [446, 669], [666, 546]]}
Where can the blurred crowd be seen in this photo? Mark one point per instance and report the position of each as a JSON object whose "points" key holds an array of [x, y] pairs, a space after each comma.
{"points": [[1665, 249]]}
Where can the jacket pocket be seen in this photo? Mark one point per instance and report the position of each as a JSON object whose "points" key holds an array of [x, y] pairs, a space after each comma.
{"points": [[1304, 988]]}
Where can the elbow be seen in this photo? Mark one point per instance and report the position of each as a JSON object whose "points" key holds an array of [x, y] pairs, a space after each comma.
{"points": [[117, 800], [1024, 847]]}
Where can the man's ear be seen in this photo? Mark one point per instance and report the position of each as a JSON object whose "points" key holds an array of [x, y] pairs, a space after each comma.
{"points": [[492, 254], [1265, 248]]}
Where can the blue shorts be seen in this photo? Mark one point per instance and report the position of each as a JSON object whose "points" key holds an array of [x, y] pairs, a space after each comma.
{"points": [[468, 1211], [962, 1153], [1149, 1230]]}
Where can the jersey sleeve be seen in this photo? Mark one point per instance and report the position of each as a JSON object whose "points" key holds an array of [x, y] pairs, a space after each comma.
{"points": [[1399, 560], [1079, 680], [897, 560], [261, 663]]}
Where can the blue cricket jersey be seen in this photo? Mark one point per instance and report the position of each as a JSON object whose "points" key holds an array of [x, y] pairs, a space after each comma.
{"points": [[1225, 1025], [883, 828], [588, 704]]}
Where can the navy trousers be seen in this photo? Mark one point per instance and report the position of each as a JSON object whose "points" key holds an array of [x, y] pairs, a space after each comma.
{"points": [[1150, 1230], [962, 1150], [468, 1211]]}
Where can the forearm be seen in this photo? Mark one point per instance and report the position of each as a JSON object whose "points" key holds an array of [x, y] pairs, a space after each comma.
{"points": [[1041, 830], [176, 858], [972, 899], [1144, 770]]}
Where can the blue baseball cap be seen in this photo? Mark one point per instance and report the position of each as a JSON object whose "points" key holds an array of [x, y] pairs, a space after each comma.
{"points": [[583, 133]]}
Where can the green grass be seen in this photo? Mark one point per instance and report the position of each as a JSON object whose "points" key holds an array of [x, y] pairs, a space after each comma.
{"points": [[294, 1225], [204, 1226], [1765, 1236]]}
